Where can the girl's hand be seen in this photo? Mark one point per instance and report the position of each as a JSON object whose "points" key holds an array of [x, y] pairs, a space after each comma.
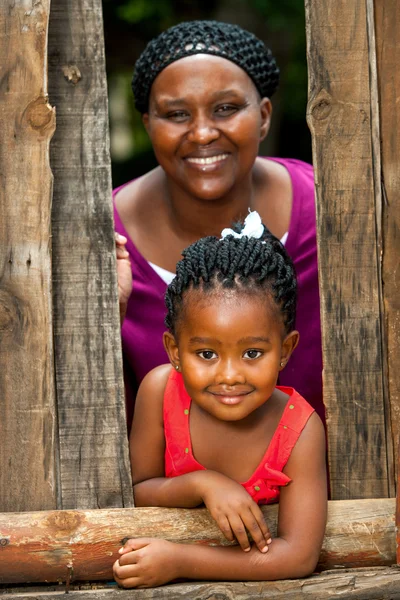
{"points": [[235, 511], [146, 562], [124, 274]]}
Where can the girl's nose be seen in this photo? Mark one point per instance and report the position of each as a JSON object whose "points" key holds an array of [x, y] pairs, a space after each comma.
{"points": [[230, 374], [203, 131]]}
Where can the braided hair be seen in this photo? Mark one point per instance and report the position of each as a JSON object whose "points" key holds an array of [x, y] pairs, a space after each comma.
{"points": [[244, 264], [205, 37]]}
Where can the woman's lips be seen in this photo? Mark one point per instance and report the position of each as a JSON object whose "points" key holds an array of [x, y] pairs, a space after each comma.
{"points": [[206, 163]]}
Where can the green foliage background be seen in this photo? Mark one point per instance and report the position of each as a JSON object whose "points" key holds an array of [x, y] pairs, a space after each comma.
{"points": [[130, 24]]}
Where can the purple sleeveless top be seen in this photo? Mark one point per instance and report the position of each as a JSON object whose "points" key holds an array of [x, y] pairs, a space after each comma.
{"points": [[144, 322]]}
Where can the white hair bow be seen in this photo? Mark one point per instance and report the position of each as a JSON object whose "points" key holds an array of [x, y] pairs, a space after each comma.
{"points": [[253, 227]]}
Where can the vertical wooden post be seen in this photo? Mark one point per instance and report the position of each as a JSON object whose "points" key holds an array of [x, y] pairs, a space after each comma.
{"points": [[27, 407], [387, 17], [343, 117], [94, 464]]}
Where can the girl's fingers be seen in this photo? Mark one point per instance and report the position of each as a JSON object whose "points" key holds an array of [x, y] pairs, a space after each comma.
{"points": [[239, 531], [258, 529], [223, 524]]}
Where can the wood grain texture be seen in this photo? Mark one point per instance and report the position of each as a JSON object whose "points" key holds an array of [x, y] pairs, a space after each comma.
{"points": [[82, 545], [94, 464], [27, 404], [387, 25], [354, 584], [339, 116]]}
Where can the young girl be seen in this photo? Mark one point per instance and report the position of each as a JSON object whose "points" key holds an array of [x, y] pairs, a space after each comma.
{"points": [[213, 427]]}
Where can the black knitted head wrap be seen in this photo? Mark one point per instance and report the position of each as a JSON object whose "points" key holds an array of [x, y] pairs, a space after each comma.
{"points": [[246, 265], [205, 37]]}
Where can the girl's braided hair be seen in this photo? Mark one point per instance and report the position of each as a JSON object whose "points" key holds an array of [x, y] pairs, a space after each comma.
{"points": [[246, 264], [204, 37]]}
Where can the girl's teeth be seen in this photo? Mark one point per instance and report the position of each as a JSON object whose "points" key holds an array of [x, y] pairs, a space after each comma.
{"points": [[207, 161]]}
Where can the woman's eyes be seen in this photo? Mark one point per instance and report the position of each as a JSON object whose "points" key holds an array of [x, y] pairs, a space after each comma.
{"points": [[226, 110], [252, 354], [178, 116], [207, 354]]}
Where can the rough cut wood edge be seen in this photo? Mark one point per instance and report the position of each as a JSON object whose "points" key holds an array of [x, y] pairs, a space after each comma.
{"points": [[353, 584], [27, 399], [94, 463], [387, 19], [82, 545], [339, 116]]}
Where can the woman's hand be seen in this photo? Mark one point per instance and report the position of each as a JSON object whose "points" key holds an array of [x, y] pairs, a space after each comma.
{"points": [[146, 562], [124, 274], [234, 510]]}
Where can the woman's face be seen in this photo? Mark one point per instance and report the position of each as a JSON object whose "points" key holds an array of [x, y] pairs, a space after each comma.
{"points": [[205, 122]]}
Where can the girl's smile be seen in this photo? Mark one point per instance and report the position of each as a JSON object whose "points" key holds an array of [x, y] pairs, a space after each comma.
{"points": [[230, 351]]}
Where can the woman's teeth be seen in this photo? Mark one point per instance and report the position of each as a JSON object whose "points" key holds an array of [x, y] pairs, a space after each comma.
{"points": [[207, 161]]}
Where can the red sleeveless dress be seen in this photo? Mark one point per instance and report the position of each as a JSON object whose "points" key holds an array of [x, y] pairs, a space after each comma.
{"points": [[266, 480]]}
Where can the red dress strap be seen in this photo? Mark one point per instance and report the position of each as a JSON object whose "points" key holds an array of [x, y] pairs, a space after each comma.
{"points": [[267, 479]]}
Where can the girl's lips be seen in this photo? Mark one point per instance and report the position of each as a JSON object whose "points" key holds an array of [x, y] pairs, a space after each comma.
{"points": [[230, 398]]}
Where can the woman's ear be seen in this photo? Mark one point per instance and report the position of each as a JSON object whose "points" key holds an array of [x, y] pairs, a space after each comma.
{"points": [[266, 112], [171, 348], [145, 121], [289, 344]]}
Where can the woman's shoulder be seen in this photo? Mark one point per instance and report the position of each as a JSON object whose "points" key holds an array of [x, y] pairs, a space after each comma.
{"points": [[131, 198]]}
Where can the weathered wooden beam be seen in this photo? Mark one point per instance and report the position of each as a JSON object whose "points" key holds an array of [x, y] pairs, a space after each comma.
{"points": [[343, 117], [387, 20], [94, 465], [27, 400], [82, 545], [379, 583]]}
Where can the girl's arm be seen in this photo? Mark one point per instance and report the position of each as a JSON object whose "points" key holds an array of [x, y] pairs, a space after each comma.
{"points": [[294, 553], [228, 502]]}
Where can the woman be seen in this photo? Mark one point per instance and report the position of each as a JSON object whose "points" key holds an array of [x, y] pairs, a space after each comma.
{"points": [[204, 90]]}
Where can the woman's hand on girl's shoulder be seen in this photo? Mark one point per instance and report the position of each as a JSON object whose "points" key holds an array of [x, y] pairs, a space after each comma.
{"points": [[234, 510], [124, 274]]}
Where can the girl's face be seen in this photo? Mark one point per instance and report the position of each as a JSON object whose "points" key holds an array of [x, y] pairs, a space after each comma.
{"points": [[205, 122], [229, 349]]}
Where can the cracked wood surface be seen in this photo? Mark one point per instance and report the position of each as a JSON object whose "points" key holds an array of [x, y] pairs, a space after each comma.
{"points": [[83, 545], [27, 399]]}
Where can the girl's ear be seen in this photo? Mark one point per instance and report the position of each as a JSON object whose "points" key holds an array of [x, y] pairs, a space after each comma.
{"points": [[289, 344], [266, 112], [171, 348]]}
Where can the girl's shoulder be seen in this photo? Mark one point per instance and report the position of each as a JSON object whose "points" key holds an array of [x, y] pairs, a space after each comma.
{"points": [[151, 390]]}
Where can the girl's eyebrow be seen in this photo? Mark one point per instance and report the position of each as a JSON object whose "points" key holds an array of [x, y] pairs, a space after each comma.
{"points": [[254, 340], [205, 341]]}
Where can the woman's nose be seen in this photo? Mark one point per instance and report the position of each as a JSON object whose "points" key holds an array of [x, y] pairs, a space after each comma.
{"points": [[203, 131]]}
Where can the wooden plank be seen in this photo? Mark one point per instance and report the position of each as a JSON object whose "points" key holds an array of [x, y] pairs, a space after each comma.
{"points": [[27, 405], [94, 459], [387, 17], [83, 545], [339, 116], [380, 583], [354, 584]]}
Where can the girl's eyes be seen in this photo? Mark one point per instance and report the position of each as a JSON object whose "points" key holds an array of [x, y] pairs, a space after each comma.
{"points": [[207, 354], [252, 354]]}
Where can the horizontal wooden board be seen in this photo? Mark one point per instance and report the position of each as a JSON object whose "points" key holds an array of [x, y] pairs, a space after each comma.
{"points": [[83, 545]]}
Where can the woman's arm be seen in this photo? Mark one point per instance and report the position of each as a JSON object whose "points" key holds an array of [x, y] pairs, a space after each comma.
{"points": [[294, 553]]}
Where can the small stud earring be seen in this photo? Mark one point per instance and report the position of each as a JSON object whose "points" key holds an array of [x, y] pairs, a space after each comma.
{"points": [[177, 367], [282, 363]]}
